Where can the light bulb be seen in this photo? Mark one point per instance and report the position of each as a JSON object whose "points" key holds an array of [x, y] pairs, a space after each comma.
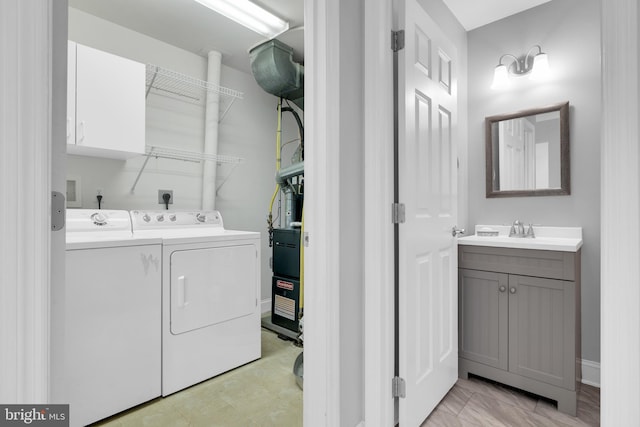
{"points": [[500, 77], [540, 69]]}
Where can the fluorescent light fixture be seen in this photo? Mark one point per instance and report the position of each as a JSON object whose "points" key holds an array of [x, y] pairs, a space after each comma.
{"points": [[249, 15]]}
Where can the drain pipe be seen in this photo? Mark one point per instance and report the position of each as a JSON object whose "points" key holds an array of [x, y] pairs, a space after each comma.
{"points": [[209, 168]]}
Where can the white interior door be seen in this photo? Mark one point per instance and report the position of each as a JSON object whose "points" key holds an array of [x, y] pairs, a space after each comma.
{"points": [[428, 337]]}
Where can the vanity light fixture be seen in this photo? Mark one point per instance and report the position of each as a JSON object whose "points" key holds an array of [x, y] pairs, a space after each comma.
{"points": [[537, 66], [250, 15]]}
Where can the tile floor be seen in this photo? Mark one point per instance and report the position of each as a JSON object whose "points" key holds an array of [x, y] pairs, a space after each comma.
{"points": [[261, 394], [264, 394], [478, 402]]}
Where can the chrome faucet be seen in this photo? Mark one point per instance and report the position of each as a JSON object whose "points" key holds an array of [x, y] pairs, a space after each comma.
{"points": [[530, 232], [517, 229]]}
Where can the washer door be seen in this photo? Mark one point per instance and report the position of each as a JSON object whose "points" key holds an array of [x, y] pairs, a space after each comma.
{"points": [[212, 285]]}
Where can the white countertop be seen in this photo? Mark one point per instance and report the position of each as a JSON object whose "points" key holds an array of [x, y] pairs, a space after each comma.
{"points": [[566, 239]]}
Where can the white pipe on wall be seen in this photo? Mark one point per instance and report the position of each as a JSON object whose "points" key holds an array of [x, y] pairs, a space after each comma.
{"points": [[209, 168]]}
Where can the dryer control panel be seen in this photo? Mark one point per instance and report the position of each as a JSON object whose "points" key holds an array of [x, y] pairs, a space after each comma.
{"points": [[145, 220]]}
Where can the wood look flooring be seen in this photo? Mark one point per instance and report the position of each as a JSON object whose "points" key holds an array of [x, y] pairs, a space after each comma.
{"points": [[477, 402]]}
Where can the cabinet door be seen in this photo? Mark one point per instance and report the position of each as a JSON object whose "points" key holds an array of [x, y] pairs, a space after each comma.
{"points": [[110, 104], [542, 329], [483, 317]]}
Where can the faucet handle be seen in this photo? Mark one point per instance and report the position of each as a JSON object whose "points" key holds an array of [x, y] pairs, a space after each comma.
{"points": [[530, 232], [512, 231]]}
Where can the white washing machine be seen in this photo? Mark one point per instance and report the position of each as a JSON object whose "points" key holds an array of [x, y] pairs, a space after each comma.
{"points": [[210, 292], [113, 314]]}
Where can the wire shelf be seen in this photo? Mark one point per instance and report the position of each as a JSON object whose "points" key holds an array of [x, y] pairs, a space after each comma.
{"points": [[187, 156], [170, 83], [171, 153]]}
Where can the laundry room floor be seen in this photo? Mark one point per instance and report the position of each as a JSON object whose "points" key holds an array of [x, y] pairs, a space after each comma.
{"points": [[263, 393]]}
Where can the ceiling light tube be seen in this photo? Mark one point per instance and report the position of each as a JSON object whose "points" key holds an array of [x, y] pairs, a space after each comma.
{"points": [[249, 15]]}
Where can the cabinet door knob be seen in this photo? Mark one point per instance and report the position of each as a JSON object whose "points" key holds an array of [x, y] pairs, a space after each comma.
{"points": [[503, 288], [512, 290]]}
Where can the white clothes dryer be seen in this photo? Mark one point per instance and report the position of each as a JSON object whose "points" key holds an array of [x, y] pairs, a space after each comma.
{"points": [[210, 289], [113, 311]]}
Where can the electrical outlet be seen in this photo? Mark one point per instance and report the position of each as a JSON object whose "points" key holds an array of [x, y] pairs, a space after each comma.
{"points": [[161, 193]]}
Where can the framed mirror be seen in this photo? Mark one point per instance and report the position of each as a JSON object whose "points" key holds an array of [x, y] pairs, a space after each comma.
{"points": [[527, 152]]}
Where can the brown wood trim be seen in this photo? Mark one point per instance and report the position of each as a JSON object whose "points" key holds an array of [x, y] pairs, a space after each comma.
{"points": [[565, 160]]}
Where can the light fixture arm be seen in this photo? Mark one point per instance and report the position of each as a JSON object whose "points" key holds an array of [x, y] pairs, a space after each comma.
{"points": [[526, 59], [524, 63], [515, 59]]}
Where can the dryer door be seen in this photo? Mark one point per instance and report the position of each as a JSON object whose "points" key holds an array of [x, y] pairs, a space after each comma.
{"points": [[212, 285]]}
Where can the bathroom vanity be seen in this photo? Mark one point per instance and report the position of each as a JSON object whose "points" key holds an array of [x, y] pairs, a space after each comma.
{"points": [[519, 311]]}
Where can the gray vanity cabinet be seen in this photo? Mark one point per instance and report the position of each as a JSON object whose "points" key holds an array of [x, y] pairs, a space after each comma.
{"points": [[484, 317], [519, 319]]}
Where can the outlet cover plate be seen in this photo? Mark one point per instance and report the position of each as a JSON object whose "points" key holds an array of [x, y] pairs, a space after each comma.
{"points": [[161, 200]]}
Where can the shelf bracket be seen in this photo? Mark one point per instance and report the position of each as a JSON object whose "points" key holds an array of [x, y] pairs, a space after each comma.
{"points": [[186, 156], [144, 165]]}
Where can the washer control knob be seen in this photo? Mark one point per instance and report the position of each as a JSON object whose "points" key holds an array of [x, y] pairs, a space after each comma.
{"points": [[146, 218], [160, 218], [99, 219], [172, 217], [201, 217]]}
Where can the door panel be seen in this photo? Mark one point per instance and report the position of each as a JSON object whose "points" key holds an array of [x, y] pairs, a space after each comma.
{"points": [[212, 285], [541, 329], [427, 172], [110, 101], [484, 316]]}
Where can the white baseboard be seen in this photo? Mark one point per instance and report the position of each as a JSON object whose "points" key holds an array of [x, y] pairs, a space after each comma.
{"points": [[266, 306], [591, 373]]}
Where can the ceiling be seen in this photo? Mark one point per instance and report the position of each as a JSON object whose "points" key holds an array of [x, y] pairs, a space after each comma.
{"points": [[191, 26], [473, 13]]}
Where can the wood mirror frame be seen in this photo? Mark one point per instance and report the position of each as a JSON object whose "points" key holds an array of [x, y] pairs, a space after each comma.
{"points": [[565, 188]]}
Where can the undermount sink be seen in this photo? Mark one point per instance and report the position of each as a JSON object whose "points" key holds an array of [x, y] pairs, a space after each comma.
{"points": [[567, 239]]}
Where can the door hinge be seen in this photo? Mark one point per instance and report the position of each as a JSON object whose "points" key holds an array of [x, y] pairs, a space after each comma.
{"points": [[398, 387], [397, 40], [57, 211], [397, 213]]}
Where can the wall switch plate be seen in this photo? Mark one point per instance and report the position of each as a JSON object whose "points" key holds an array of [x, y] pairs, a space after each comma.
{"points": [[162, 193]]}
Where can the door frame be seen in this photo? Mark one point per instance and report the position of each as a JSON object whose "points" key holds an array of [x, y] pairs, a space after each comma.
{"points": [[322, 331], [379, 231], [321, 399], [33, 138]]}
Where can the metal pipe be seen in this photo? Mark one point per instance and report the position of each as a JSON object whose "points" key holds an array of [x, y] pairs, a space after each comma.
{"points": [[210, 146]]}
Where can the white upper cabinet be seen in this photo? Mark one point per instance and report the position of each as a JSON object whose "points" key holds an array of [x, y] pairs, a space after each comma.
{"points": [[106, 104]]}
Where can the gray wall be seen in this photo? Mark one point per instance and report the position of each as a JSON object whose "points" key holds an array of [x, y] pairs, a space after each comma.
{"points": [[569, 31]]}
